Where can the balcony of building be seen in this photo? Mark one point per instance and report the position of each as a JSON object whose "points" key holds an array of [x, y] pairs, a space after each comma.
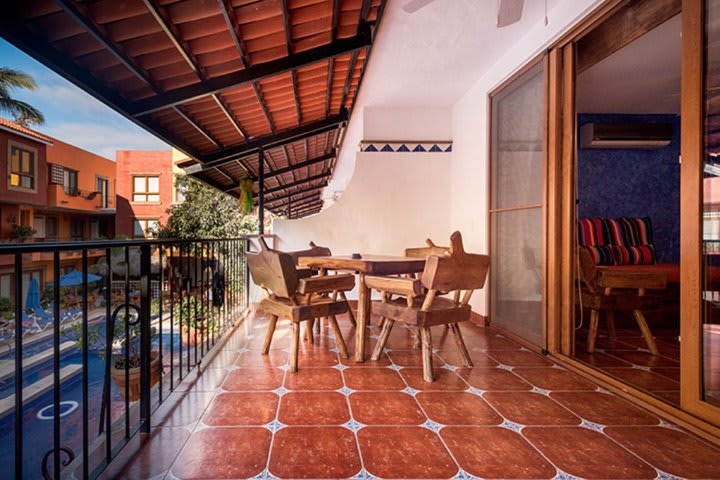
{"points": [[71, 198]]}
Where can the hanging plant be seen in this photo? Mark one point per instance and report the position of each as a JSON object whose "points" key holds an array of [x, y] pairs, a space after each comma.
{"points": [[245, 202]]}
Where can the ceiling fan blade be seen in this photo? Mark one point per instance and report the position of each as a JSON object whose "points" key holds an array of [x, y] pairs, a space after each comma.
{"points": [[509, 12], [414, 5]]}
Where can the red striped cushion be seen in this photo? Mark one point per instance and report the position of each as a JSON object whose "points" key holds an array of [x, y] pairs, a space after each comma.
{"points": [[602, 254], [634, 255]]}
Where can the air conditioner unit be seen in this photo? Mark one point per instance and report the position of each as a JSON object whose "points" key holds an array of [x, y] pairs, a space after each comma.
{"points": [[625, 135]]}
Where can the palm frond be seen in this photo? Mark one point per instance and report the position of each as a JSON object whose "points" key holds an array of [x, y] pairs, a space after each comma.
{"points": [[23, 113], [11, 78]]}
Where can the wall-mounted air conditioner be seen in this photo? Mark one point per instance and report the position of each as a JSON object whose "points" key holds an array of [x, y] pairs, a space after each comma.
{"points": [[625, 135]]}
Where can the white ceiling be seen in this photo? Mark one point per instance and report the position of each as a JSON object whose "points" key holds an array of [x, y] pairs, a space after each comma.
{"points": [[433, 56], [643, 77]]}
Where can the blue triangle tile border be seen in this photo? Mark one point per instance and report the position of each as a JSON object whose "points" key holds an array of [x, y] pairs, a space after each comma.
{"points": [[406, 147]]}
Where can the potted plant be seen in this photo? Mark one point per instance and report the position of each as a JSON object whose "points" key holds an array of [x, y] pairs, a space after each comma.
{"points": [[194, 320], [121, 345], [21, 232]]}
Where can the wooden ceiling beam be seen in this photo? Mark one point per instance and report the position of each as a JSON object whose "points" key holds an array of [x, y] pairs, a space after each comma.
{"points": [[296, 192], [348, 79], [286, 201], [251, 74], [292, 168], [80, 16], [230, 154], [302, 181]]}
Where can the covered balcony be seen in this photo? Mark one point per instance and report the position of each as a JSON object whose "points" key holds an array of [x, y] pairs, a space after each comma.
{"points": [[369, 127]]}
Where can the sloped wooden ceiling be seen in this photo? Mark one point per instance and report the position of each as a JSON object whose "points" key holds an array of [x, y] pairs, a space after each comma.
{"points": [[224, 81]]}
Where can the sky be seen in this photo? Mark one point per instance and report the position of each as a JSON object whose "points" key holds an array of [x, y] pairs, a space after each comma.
{"points": [[73, 116]]}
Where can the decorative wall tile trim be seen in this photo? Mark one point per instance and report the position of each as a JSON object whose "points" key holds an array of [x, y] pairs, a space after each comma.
{"points": [[406, 147]]}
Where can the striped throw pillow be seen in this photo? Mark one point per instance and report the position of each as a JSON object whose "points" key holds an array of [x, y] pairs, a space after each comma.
{"points": [[592, 231]]}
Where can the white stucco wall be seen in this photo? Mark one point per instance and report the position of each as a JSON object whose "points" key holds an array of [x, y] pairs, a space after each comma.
{"points": [[394, 200]]}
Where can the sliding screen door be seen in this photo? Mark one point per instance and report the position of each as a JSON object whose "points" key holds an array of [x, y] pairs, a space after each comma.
{"points": [[516, 206]]}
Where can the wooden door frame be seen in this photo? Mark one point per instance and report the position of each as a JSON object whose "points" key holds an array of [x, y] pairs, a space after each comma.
{"points": [[691, 213], [693, 414]]}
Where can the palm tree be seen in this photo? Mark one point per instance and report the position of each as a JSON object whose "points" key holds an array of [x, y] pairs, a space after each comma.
{"points": [[23, 113]]}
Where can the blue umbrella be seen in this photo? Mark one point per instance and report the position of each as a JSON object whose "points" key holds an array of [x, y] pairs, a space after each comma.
{"points": [[32, 301], [75, 278]]}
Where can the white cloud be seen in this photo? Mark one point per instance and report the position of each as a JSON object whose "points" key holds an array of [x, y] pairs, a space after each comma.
{"points": [[105, 139]]}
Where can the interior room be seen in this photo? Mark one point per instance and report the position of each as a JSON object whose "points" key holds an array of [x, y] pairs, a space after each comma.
{"points": [[628, 209]]}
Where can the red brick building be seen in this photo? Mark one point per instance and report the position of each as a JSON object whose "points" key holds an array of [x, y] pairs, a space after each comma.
{"points": [[145, 190]]}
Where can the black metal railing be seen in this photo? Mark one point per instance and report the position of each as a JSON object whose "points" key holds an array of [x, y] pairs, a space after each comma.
{"points": [[86, 357]]}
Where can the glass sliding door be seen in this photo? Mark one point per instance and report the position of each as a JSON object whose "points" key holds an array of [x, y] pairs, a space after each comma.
{"points": [[516, 206]]}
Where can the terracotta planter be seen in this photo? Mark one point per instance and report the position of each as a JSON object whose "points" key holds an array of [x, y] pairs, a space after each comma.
{"points": [[190, 334], [118, 375]]}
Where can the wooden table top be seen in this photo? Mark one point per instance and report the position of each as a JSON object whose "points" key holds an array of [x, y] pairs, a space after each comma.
{"points": [[369, 264]]}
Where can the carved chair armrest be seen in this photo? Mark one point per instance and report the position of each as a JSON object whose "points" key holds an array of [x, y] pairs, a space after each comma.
{"points": [[631, 279], [409, 287], [326, 284]]}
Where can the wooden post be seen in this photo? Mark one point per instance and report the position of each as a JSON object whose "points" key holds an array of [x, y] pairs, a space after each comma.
{"points": [[261, 191]]}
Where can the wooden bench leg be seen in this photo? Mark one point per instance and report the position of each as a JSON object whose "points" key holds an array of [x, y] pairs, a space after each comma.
{"points": [[646, 333], [416, 338], [309, 336], [294, 347], [610, 320], [427, 351], [593, 330], [318, 322], [269, 334], [384, 335], [455, 328], [339, 340]]}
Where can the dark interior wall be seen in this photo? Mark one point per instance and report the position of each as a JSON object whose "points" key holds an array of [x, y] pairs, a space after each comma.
{"points": [[634, 183]]}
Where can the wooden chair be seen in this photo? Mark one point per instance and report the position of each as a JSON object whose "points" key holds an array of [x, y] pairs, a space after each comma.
{"points": [[610, 291], [317, 251], [422, 305], [295, 298]]}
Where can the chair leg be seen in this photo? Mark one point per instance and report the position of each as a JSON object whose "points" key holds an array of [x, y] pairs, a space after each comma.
{"points": [[455, 328], [610, 320], [339, 340], [646, 333], [592, 332], [384, 335], [427, 351], [269, 334], [309, 336], [351, 314], [294, 347], [416, 339]]}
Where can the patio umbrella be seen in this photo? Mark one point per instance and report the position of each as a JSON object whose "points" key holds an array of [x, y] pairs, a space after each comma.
{"points": [[32, 301], [75, 278]]}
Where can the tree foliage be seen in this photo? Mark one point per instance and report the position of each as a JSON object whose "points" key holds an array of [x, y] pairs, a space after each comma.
{"points": [[206, 213], [23, 113]]}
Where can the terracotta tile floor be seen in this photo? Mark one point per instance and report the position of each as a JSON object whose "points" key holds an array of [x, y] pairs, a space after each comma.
{"points": [[515, 415]]}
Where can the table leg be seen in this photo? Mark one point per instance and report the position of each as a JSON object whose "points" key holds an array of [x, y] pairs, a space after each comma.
{"points": [[363, 319]]}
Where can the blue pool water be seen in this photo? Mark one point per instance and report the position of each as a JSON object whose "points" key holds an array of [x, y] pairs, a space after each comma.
{"points": [[38, 414]]}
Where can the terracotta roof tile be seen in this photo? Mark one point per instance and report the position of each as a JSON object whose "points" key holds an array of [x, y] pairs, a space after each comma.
{"points": [[7, 124]]}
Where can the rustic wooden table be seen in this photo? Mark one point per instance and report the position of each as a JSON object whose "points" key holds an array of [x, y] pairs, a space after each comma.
{"points": [[366, 265]]}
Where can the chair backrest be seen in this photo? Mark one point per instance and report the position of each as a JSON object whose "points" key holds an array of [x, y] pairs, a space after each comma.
{"points": [[313, 251], [588, 270], [424, 252], [273, 270], [457, 271]]}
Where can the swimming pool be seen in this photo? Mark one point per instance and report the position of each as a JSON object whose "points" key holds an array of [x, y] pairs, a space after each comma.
{"points": [[38, 413]]}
